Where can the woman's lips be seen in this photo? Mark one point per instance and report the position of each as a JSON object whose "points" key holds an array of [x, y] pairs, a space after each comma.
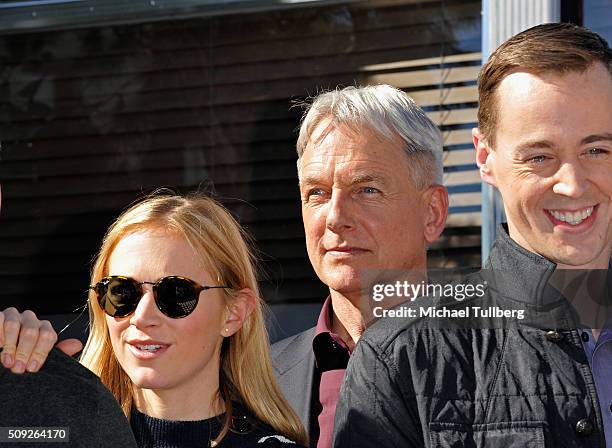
{"points": [[146, 351]]}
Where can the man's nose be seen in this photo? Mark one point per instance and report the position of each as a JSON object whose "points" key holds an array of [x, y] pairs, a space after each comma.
{"points": [[340, 216], [571, 180]]}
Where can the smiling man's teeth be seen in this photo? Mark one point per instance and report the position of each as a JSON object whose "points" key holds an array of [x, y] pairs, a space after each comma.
{"points": [[149, 347], [573, 218]]}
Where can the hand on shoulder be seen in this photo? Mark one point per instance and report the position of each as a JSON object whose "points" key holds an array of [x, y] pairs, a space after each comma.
{"points": [[26, 341]]}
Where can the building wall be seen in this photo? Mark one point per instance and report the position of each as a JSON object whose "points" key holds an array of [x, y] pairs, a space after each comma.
{"points": [[92, 117]]}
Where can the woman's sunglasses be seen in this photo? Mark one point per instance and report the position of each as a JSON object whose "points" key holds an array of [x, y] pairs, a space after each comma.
{"points": [[176, 297]]}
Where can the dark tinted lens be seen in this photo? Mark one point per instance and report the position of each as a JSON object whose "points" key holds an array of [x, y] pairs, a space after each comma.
{"points": [[118, 296], [176, 296]]}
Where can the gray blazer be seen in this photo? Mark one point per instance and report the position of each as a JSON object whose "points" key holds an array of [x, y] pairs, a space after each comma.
{"points": [[294, 365]]}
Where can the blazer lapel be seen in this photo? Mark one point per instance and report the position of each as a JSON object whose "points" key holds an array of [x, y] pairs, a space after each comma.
{"points": [[294, 367]]}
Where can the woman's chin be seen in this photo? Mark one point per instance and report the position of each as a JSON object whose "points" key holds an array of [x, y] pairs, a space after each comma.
{"points": [[147, 380]]}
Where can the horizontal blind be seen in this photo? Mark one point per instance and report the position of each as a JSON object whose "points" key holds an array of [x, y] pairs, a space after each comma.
{"points": [[92, 118]]}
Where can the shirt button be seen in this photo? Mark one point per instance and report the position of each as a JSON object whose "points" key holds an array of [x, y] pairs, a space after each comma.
{"points": [[585, 336], [584, 427], [554, 336]]}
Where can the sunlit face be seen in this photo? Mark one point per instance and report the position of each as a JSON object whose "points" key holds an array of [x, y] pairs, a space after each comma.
{"points": [[185, 351], [552, 163], [360, 207]]}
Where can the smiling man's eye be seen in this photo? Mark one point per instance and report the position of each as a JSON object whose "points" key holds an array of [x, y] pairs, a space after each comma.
{"points": [[597, 152], [537, 159]]}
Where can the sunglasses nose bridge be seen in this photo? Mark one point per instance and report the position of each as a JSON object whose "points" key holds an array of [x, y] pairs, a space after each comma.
{"points": [[145, 312], [148, 287], [145, 288]]}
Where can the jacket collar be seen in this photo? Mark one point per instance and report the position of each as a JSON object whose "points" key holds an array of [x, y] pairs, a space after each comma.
{"points": [[520, 274]]}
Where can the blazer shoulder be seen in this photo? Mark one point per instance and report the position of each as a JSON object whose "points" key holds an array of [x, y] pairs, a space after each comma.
{"points": [[296, 340], [289, 351]]}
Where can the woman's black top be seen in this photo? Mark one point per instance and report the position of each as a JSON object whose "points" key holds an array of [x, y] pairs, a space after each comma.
{"points": [[246, 432]]}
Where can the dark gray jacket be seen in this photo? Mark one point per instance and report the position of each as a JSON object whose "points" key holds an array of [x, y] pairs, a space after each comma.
{"points": [[294, 365], [409, 385], [63, 394]]}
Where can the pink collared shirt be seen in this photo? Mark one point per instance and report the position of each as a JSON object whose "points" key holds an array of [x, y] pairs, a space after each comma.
{"points": [[331, 355]]}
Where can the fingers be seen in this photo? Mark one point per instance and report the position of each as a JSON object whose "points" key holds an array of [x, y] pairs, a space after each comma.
{"points": [[12, 324], [46, 339], [70, 346], [27, 340]]}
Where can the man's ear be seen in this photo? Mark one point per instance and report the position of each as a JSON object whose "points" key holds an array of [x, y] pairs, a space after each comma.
{"points": [[436, 211], [239, 310], [484, 157]]}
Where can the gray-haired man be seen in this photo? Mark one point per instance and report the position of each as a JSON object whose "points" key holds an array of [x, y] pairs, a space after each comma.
{"points": [[370, 173]]}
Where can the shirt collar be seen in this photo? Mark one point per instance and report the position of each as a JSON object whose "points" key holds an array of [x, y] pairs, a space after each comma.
{"points": [[329, 349], [324, 322]]}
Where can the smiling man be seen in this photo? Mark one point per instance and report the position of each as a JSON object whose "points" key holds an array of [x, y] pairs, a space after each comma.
{"points": [[549, 154], [370, 173], [545, 141]]}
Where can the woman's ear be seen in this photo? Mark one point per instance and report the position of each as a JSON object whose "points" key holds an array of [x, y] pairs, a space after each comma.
{"points": [[436, 212], [240, 308], [484, 157]]}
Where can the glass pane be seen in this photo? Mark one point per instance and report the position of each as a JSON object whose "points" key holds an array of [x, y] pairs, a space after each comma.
{"points": [[91, 118], [598, 17]]}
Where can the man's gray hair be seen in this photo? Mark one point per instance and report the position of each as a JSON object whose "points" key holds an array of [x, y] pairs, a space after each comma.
{"points": [[387, 112]]}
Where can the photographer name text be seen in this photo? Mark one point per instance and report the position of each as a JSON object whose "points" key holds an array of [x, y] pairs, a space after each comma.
{"points": [[450, 313]]}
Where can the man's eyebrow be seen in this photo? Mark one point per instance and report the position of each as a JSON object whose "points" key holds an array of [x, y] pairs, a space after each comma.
{"points": [[359, 178], [309, 180], [606, 136], [366, 178], [534, 144]]}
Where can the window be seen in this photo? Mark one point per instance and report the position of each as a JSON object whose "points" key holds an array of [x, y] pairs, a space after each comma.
{"points": [[94, 114]]}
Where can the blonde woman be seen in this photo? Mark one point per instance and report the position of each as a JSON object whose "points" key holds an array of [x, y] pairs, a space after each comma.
{"points": [[177, 331]]}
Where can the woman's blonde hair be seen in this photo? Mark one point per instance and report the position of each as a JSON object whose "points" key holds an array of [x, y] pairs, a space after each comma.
{"points": [[246, 368]]}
